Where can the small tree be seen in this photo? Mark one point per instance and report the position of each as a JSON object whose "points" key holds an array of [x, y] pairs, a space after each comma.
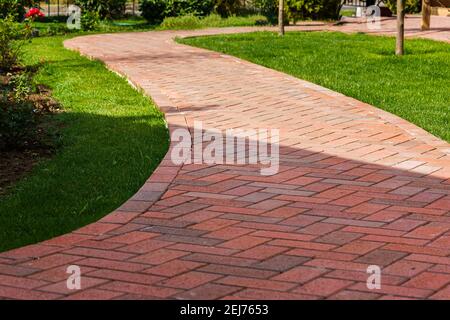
{"points": [[281, 17], [426, 15], [400, 45]]}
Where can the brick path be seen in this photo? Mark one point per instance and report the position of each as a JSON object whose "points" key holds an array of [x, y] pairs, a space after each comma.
{"points": [[356, 187]]}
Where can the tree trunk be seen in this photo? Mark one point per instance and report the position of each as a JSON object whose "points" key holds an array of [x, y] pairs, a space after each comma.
{"points": [[426, 14], [400, 28], [281, 17]]}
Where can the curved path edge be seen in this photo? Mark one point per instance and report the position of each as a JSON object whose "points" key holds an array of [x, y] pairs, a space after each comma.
{"points": [[34, 272]]}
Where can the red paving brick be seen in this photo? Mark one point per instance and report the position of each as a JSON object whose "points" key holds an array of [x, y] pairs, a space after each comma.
{"points": [[357, 186], [429, 280], [323, 287], [189, 280]]}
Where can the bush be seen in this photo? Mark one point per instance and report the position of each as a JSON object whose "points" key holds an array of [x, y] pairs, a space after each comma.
{"points": [[411, 6], [301, 9], [88, 5], [89, 20], [176, 8], [268, 8], [17, 124], [153, 10], [53, 29], [21, 86], [15, 8], [11, 36], [116, 8], [16, 114], [330, 10], [227, 8], [215, 20], [184, 22], [17, 117], [314, 9], [104, 8]]}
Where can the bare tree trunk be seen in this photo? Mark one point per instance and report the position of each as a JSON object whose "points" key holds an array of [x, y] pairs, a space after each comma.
{"points": [[400, 28], [281, 17], [426, 15]]}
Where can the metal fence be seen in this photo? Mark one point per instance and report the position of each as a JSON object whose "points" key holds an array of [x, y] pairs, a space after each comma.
{"points": [[56, 8], [365, 3], [355, 3]]}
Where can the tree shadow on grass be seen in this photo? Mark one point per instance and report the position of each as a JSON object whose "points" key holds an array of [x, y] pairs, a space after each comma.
{"points": [[94, 172]]}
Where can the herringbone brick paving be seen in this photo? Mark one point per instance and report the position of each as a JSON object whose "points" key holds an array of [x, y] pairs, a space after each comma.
{"points": [[356, 187]]}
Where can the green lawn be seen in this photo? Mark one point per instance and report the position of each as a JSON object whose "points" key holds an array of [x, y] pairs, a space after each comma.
{"points": [[212, 21], [112, 139], [348, 12], [415, 87]]}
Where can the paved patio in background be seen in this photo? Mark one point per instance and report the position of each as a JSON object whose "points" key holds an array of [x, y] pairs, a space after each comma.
{"points": [[440, 27], [356, 187]]}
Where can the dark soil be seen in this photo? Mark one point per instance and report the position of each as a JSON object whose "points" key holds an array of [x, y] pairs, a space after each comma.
{"points": [[16, 163]]}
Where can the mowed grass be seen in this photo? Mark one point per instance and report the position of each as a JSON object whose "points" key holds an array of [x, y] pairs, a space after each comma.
{"points": [[112, 136], [415, 87], [212, 21]]}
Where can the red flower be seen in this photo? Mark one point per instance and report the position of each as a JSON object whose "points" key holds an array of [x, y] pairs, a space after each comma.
{"points": [[34, 13]]}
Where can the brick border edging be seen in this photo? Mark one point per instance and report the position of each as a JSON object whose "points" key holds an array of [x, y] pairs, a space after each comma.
{"points": [[166, 171], [160, 179]]}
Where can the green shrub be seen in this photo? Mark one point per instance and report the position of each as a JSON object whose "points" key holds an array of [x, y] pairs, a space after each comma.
{"points": [[214, 20], [21, 86], [176, 8], [268, 8], [88, 5], [301, 9], [54, 28], [314, 9], [184, 22], [116, 8], [15, 8], [11, 36], [17, 124], [17, 118], [89, 20], [330, 10], [104, 8], [411, 6], [227, 8], [153, 10]]}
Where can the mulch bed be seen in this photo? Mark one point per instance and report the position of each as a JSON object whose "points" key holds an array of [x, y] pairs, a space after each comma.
{"points": [[17, 163]]}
